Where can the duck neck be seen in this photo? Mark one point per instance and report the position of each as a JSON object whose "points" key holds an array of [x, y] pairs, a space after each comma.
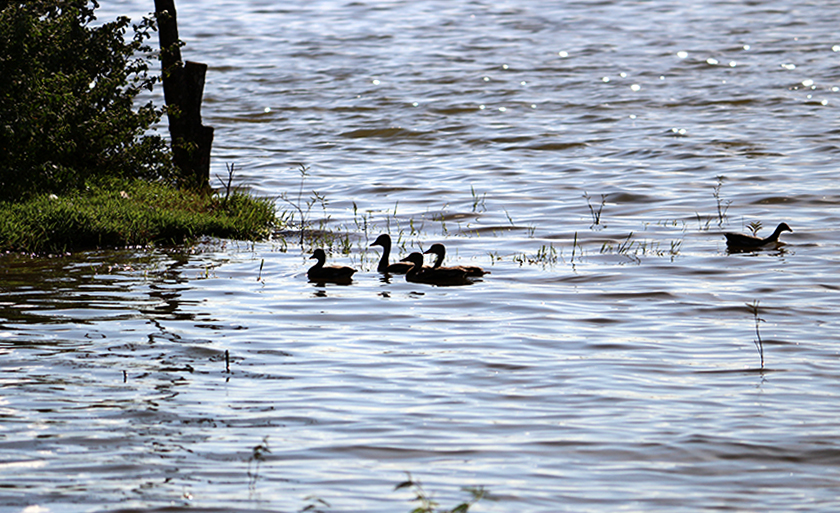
{"points": [[414, 270], [386, 256], [439, 257], [775, 235]]}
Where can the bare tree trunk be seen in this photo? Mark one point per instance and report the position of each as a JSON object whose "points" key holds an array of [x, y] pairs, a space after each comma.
{"points": [[183, 88]]}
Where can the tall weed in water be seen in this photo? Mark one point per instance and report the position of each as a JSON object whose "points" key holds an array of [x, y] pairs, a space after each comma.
{"points": [[302, 206], [477, 201], [624, 248], [530, 229], [635, 249], [722, 207], [596, 214], [759, 345], [258, 453]]}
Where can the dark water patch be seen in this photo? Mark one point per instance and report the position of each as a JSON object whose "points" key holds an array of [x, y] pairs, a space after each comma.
{"points": [[549, 146]]}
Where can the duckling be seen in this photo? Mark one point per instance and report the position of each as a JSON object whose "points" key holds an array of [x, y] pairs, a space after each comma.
{"points": [[332, 273], [439, 250], [384, 240], [442, 276], [739, 241]]}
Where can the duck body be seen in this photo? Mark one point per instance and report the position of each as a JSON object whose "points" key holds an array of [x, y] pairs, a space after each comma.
{"points": [[440, 251], [431, 276], [320, 273], [740, 241], [384, 267]]}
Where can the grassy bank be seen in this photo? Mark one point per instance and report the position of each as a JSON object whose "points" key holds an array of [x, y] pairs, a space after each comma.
{"points": [[129, 213]]}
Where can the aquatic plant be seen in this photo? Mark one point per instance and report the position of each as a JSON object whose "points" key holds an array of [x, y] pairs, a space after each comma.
{"points": [[545, 256], [722, 206], [703, 222], [258, 453], [759, 345], [596, 214], [635, 249], [314, 504], [754, 227], [530, 229], [429, 505], [622, 248], [304, 207], [477, 201], [721, 217]]}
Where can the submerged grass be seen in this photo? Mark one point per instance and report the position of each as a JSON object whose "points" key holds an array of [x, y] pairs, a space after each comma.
{"points": [[118, 213]]}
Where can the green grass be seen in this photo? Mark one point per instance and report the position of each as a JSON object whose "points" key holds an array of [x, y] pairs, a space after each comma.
{"points": [[129, 213]]}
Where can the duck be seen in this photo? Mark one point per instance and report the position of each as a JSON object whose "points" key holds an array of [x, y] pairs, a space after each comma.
{"points": [[439, 250], [441, 276], [331, 273], [384, 267], [740, 241]]}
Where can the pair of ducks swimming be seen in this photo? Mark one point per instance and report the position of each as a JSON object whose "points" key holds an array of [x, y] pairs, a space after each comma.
{"points": [[411, 266]]}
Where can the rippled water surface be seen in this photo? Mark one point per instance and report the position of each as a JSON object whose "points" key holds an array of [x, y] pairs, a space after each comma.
{"points": [[589, 154]]}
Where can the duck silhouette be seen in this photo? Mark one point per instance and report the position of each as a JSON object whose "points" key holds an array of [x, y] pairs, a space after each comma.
{"points": [[740, 241], [439, 250], [332, 273], [441, 276], [384, 240]]}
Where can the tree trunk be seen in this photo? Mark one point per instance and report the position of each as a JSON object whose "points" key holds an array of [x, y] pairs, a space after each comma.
{"points": [[183, 88]]}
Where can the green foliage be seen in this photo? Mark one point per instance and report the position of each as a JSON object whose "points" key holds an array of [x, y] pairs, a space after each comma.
{"points": [[129, 213], [67, 97]]}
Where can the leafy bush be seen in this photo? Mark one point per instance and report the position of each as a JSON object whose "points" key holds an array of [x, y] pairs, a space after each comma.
{"points": [[67, 92]]}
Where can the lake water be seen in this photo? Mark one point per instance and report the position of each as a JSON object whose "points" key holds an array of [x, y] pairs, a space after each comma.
{"points": [[589, 154]]}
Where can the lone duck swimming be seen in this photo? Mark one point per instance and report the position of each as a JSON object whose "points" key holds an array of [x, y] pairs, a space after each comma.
{"points": [[384, 240], [739, 241], [332, 273], [442, 276], [439, 250]]}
